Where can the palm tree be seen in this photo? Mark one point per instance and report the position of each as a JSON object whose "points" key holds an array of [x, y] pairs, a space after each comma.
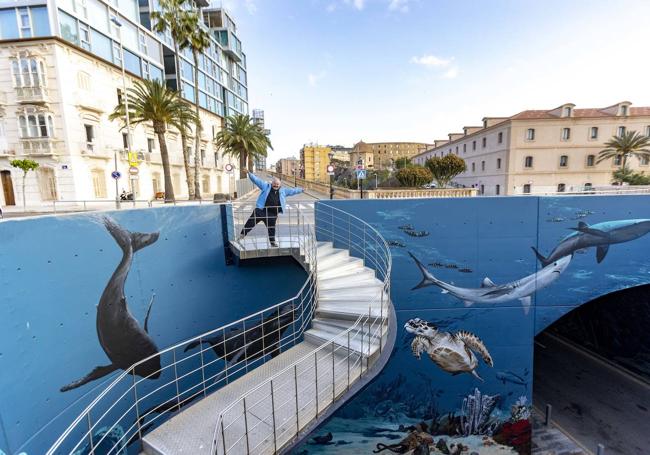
{"points": [[630, 143], [183, 124], [151, 101], [243, 139], [198, 41]]}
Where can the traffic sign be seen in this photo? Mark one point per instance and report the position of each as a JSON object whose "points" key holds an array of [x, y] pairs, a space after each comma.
{"points": [[116, 174], [361, 174], [359, 167], [330, 169], [229, 167], [133, 170]]}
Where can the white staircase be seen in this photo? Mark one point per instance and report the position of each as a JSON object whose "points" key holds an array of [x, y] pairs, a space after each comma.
{"points": [[266, 409]]}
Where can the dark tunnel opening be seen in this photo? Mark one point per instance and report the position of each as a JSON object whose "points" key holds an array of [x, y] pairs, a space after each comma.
{"points": [[593, 367]]}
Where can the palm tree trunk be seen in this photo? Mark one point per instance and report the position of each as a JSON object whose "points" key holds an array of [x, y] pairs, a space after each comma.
{"points": [[197, 140], [623, 167], [243, 173], [250, 162], [188, 168], [164, 155]]}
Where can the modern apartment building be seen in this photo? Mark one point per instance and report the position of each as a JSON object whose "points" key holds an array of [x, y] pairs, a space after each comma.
{"points": [[540, 151], [258, 119], [61, 77], [288, 166], [386, 153], [314, 160]]}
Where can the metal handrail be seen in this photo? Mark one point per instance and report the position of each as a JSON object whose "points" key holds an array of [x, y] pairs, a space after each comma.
{"points": [[369, 327], [286, 335]]}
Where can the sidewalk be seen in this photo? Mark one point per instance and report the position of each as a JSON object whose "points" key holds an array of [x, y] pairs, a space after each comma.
{"points": [[551, 441]]}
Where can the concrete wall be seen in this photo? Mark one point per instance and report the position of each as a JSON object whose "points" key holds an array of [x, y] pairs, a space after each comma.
{"points": [[463, 241], [53, 271]]}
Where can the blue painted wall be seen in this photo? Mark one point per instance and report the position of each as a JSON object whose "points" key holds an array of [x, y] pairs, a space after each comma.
{"points": [[463, 241], [52, 273]]}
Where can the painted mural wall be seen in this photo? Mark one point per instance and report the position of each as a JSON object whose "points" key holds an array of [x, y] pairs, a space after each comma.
{"points": [[63, 333], [473, 281]]}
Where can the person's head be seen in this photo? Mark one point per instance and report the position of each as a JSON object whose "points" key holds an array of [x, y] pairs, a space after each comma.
{"points": [[275, 183]]}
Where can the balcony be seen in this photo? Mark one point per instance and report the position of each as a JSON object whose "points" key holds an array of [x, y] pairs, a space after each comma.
{"points": [[32, 95], [41, 146]]}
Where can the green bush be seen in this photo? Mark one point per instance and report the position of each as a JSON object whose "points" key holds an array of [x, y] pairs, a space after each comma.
{"points": [[413, 176], [445, 168]]}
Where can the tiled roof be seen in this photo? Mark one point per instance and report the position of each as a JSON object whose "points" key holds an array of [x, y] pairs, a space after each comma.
{"points": [[577, 113]]}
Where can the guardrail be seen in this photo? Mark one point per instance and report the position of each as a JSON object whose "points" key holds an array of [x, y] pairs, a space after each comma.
{"points": [[133, 404], [268, 417]]}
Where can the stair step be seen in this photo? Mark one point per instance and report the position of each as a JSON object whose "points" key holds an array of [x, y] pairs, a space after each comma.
{"points": [[320, 337], [352, 293], [343, 268], [349, 310], [331, 256], [363, 277], [337, 326]]}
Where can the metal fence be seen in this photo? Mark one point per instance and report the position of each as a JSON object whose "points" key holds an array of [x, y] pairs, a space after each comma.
{"points": [[133, 404], [268, 417]]}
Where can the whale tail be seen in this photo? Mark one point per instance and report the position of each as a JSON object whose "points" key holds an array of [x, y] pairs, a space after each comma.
{"points": [[427, 278], [543, 260], [125, 239]]}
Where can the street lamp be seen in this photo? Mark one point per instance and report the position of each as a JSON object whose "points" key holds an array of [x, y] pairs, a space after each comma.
{"points": [[118, 24], [331, 156]]}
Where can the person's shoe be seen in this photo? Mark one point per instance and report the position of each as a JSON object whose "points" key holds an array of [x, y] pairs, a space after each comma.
{"points": [[274, 244]]}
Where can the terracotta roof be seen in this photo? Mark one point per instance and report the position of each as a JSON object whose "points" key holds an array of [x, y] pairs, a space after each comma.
{"points": [[577, 113]]}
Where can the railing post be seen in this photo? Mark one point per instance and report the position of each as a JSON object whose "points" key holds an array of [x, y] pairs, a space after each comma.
{"points": [[223, 438], [316, 382], [295, 383], [90, 433], [348, 360], [137, 405], [275, 440], [246, 427], [202, 365], [333, 382], [178, 393]]}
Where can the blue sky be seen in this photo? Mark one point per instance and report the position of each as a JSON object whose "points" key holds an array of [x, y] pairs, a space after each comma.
{"points": [[337, 71]]}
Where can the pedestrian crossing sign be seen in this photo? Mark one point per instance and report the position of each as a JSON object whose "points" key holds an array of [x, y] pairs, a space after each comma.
{"points": [[361, 174]]}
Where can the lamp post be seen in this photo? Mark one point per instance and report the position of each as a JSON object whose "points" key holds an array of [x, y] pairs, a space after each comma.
{"points": [[331, 156], [118, 24]]}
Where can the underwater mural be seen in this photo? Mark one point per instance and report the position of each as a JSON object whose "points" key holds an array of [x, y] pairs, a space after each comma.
{"points": [[421, 407]]}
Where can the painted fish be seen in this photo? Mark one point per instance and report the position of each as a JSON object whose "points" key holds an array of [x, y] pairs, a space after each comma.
{"points": [[489, 292], [509, 376]]}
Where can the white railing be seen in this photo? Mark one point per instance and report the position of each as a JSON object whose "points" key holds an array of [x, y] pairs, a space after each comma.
{"points": [[133, 404], [270, 416]]}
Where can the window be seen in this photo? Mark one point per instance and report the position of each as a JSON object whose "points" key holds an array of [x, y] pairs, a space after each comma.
{"points": [[206, 184], [497, 190], [142, 38], [591, 160], [68, 27], [151, 147], [117, 55], [35, 125], [500, 137], [618, 160], [28, 72], [482, 165], [645, 160], [90, 136], [456, 150], [567, 111], [498, 163], [482, 189], [530, 134], [202, 157], [473, 167], [484, 142], [588, 186], [465, 145], [8, 24], [566, 134], [84, 36], [528, 161], [624, 110], [125, 141], [561, 187], [564, 161], [99, 183], [216, 159], [24, 23], [527, 188], [621, 131], [473, 145], [146, 72], [593, 132], [647, 130], [47, 183]]}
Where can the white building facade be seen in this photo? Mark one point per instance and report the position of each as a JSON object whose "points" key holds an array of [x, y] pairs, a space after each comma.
{"points": [[60, 78]]}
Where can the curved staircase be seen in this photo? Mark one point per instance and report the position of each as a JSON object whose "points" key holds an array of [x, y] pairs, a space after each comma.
{"points": [[339, 337]]}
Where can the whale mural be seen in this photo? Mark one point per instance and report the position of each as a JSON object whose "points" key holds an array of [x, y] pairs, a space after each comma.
{"points": [[599, 235], [119, 334], [489, 292]]}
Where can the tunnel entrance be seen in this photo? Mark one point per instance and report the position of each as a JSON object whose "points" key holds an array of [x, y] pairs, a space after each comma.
{"points": [[593, 367]]}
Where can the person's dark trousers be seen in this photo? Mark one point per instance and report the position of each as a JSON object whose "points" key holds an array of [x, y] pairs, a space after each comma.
{"points": [[268, 216]]}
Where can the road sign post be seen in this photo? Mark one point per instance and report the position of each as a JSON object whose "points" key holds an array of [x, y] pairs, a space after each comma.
{"points": [[361, 175], [330, 172]]}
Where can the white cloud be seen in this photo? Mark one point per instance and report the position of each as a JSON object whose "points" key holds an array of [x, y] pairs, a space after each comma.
{"points": [[358, 4], [451, 73], [399, 5], [431, 61], [313, 79]]}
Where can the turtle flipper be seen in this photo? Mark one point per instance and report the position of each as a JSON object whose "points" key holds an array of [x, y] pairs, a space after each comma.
{"points": [[98, 372], [475, 343]]}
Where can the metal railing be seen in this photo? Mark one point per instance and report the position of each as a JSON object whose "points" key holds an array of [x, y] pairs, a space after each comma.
{"points": [[133, 404], [271, 415]]}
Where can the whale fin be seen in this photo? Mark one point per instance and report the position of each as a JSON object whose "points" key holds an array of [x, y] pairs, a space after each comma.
{"points": [[543, 260], [526, 301], [585, 229], [487, 283], [427, 278], [146, 318], [98, 372], [125, 239], [601, 252]]}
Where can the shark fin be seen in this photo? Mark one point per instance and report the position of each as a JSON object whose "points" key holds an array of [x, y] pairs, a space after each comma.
{"points": [[526, 302], [487, 283], [544, 261], [601, 252], [427, 278], [475, 374], [585, 229], [582, 225]]}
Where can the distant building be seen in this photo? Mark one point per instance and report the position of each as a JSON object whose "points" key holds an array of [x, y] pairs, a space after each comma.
{"points": [[362, 154], [341, 153], [258, 119], [386, 153], [314, 160], [288, 166], [539, 151]]}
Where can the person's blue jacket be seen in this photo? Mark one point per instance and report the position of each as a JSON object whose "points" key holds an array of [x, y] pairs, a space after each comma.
{"points": [[265, 187]]}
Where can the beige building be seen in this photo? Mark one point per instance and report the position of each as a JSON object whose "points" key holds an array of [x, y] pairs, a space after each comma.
{"points": [[362, 152], [314, 160], [542, 151], [386, 153], [288, 166]]}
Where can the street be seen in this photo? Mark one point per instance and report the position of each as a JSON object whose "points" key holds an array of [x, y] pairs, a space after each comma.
{"points": [[592, 401]]}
